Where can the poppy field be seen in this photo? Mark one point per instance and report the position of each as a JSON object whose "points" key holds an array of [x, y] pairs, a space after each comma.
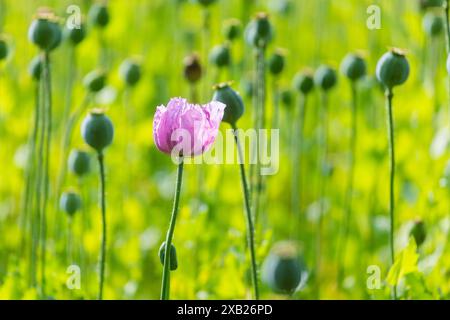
{"points": [[224, 149]]}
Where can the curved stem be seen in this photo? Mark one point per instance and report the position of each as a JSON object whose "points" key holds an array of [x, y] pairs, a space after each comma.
{"points": [[165, 286], [103, 208], [251, 230], [349, 192], [389, 96]]}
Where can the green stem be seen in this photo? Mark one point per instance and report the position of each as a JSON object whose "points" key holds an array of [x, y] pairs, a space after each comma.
{"points": [[250, 227], [349, 192], [165, 286], [447, 38], [103, 208], [389, 96]]}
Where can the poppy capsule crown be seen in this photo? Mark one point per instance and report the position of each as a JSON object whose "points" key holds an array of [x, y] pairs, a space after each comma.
{"points": [[234, 106], [353, 67], [45, 31], [173, 256], [70, 202], [392, 68], [97, 130]]}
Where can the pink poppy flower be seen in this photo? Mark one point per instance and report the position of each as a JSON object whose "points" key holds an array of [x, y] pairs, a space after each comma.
{"points": [[186, 129]]}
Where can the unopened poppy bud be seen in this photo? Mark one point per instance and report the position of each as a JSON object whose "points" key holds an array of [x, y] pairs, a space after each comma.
{"points": [[276, 62], [325, 78], [35, 68], [432, 24], [282, 270], [3, 48], [392, 68], [259, 31], [353, 67], [45, 31], [303, 82], [173, 256], [232, 29], [192, 68], [99, 15], [418, 232], [220, 56], [130, 72], [95, 80], [79, 162], [97, 130], [70, 202], [234, 106], [75, 35]]}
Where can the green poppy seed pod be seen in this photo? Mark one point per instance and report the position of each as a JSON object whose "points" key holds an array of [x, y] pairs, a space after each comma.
{"points": [[79, 162], [130, 72], [325, 78], [282, 269], [233, 101], [353, 67], [35, 68], [276, 62], [425, 4], [192, 68], [45, 32], [173, 256], [286, 97], [247, 87], [220, 56], [432, 24], [70, 202], [95, 80], [75, 35], [259, 31], [418, 232], [392, 69], [303, 82], [3, 49], [232, 29], [97, 130], [205, 3], [99, 15]]}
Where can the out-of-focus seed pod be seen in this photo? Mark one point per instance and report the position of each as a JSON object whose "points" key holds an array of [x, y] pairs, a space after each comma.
{"points": [[418, 232], [173, 256], [75, 35], [432, 24], [426, 4], [130, 72], [353, 67], [35, 68], [192, 68], [70, 202], [97, 130], [286, 97], [392, 68], [234, 105], [276, 62], [282, 269], [220, 56], [99, 15], [259, 31], [247, 87], [3, 48], [325, 77], [232, 29], [303, 81], [95, 80], [45, 31], [205, 3], [79, 162]]}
